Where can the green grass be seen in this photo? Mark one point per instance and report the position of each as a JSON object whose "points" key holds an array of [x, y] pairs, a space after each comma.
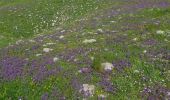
{"points": [[28, 21]]}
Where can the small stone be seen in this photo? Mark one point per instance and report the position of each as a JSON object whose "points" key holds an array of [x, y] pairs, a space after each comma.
{"points": [[89, 41], [47, 49], [55, 59], [107, 66], [75, 60], [61, 37], [38, 55], [168, 93], [88, 90]]}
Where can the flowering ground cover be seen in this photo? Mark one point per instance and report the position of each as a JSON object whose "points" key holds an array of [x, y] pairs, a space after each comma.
{"points": [[85, 49]]}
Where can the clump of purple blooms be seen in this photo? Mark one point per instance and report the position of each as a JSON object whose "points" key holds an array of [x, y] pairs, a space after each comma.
{"points": [[120, 65], [156, 92], [12, 67]]}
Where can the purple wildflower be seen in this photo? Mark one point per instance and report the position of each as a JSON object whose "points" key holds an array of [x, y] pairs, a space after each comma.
{"points": [[120, 65], [156, 92], [150, 42], [107, 86], [45, 96], [12, 67]]}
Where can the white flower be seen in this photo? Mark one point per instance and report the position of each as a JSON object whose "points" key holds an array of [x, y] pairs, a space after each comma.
{"points": [[144, 51], [112, 21], [135, 39], [160, 32], [92, 58], [53, 24], [89, 41], [50, 43], [100, 30], [136, 71]]}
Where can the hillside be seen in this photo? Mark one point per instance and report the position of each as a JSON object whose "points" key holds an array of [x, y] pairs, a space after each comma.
{"points": [[85, 49]]}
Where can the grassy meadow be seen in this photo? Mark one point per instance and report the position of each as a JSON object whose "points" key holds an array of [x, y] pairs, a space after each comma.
{"points": [[84, 49]]}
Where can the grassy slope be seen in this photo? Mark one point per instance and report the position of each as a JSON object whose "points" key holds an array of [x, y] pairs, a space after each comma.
{"points": [[27, 18], [130, 82]]}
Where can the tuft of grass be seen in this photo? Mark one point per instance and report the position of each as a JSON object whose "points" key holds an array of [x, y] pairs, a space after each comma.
{"points": [[97, 64]]}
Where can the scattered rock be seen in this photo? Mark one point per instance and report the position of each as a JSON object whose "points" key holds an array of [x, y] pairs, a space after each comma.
{"points": [[107, 66], [55, 59], [61, 37], [47, 49], [87, 90], [135, 39], [168, 93], [89, 41]]}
